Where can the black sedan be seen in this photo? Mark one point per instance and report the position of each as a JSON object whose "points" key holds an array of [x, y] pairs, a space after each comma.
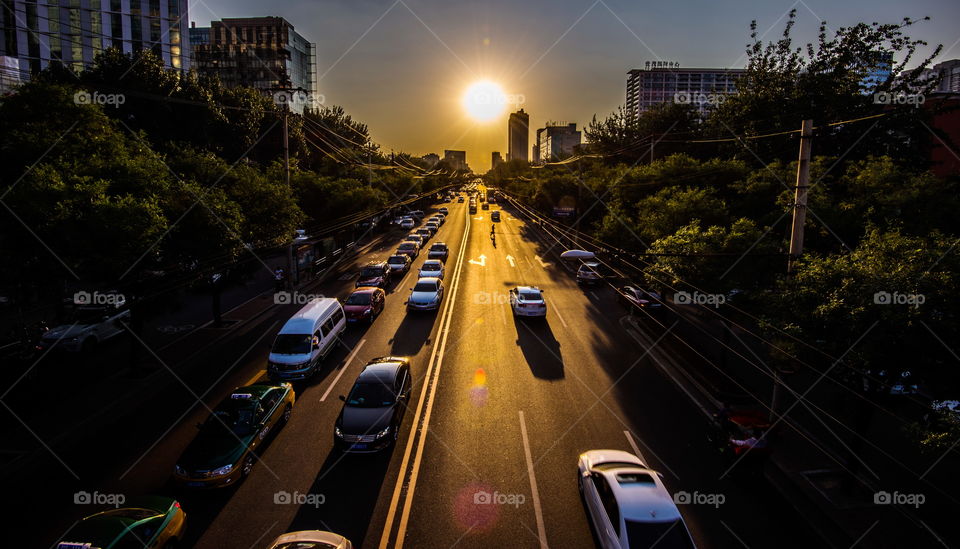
{"points": [[372, 412]]}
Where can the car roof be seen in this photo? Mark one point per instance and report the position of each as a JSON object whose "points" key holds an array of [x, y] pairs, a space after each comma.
{"points": [[433, 262], [376, 264], [528, 289], [641, 501], [382, 372], [365, 290], [302, 322], [428, 279]]}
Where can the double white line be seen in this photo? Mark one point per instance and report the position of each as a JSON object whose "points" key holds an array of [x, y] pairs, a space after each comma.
{"points": [[418, 433]]}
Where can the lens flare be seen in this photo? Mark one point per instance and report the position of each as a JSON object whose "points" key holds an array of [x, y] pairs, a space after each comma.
{"points": [[478, 391]]}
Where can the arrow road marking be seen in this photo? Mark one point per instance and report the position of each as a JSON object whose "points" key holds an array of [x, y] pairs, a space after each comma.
{"points": [[542, 263], [510, 261], [482, 262]]}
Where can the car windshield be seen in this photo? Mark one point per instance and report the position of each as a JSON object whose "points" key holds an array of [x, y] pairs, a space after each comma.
{"points": [[529, 295], [292, 344], [438, 248], [431, 267], [407, 246], [358, 299], [371, 272], [425, 287], [397, 259], [663, 535], [306, 545], [370, 395]]}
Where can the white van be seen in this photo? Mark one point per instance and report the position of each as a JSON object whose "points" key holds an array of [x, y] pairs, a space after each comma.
{"points": [[306, 339]]}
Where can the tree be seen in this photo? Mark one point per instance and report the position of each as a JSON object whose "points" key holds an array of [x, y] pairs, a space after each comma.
{"points": [[621, 137]]}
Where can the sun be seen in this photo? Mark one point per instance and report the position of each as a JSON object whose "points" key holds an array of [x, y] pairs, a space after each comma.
{"points": [[484, 100]]}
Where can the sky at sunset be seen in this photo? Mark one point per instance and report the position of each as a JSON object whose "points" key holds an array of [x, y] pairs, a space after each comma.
{"points": [[403, 66]]}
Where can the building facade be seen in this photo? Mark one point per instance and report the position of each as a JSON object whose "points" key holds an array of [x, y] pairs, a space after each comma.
{"points": [[264, 53], [948, 74], [518, 136], [456, 159], [556, 141], [495, 159], [73, 32], [703, 88]]}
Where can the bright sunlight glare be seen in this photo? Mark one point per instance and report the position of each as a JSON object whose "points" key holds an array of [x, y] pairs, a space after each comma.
{"points": [[484, 100]]}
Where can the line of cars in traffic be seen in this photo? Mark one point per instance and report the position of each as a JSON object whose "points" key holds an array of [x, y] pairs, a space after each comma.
{"points": [[225, 449]]}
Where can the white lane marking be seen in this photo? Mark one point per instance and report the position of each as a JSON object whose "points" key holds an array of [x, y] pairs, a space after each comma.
{"points": [[510, 261], [541, 530], [395, 499], [482, 262], [342, 370], [636, 450], [541, 262], [560, 317]]}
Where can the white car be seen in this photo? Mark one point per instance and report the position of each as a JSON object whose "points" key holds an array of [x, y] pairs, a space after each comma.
{"points": [[311, 539], [408, 223], [628, 504], [426, 295], [528, 301], [432, 268], [444, 210], [89, 324]]}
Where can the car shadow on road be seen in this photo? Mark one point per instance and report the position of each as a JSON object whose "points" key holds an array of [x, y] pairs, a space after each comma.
{"points": [[350, 485], [540, 348], [413, 333]]}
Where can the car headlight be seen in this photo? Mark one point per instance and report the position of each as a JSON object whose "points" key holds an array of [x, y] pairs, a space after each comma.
{"points": [[338, 432], [179, 470], [225, 470], [384, 432]]}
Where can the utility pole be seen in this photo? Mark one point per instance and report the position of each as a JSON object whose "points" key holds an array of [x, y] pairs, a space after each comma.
{"points": [[800, 196], [286, 144]]}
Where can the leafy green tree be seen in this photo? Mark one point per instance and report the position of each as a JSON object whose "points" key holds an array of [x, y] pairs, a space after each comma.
{"points": [[621, 137]]}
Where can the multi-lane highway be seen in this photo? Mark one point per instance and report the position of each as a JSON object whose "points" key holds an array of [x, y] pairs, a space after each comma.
{"points": [[500, 406]]}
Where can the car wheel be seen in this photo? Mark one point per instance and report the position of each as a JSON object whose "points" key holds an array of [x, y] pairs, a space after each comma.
{"points": [[287, 412], [247, 466]]}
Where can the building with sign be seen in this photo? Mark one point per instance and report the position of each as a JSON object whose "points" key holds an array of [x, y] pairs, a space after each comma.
{"points": [[665, 82], [556, 141]]}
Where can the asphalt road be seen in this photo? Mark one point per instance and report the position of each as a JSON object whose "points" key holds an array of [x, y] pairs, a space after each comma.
{"points": [[499, 405]]}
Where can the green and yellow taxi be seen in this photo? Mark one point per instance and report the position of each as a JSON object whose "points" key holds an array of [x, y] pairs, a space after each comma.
{"points": [[223, 452], [148, 522]]}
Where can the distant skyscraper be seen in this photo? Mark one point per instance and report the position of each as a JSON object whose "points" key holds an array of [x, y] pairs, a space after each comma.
{"points": [[495, 159], [556, 141], [456, 159], [258, 52], [73, 32], [518, 136], [698, 87]]}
